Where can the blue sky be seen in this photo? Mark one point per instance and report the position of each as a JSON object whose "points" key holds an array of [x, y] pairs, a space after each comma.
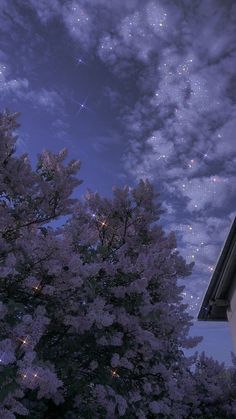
{"points": [[135, 89]]}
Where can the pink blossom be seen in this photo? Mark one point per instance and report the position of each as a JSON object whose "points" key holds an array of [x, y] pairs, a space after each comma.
{"points": [[117, 339], [7, 352], [48, 290], [94, 306]]}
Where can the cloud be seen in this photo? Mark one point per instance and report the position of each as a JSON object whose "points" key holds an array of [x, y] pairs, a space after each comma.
{"points": [[11, 85], [179, 129], [46, 10], [47, 99], [205, 193], [20, 89]]}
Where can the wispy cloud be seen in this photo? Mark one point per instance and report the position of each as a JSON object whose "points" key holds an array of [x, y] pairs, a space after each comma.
{"points": [[20, 89]]}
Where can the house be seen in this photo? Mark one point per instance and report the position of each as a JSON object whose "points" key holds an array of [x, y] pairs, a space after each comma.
{"points": [[219, 303]]}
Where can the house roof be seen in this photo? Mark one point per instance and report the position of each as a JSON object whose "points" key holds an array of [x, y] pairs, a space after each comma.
{"points": [[217, 297]]}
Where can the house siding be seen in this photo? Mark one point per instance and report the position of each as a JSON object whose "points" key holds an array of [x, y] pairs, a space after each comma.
{"points": [[231, 313]]}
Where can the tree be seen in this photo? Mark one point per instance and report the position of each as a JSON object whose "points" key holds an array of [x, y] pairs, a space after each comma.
{"points": [[92, 321], [214, 389], [28, 201]]}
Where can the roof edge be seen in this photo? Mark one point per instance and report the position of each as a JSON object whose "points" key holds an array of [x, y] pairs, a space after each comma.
{"points": [[216, 299]]}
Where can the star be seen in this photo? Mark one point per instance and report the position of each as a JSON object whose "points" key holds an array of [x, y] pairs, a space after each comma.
{"points": [[80, 61], [114, 374], [82, 106]]}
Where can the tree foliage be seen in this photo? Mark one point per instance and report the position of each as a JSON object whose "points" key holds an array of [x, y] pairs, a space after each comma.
{"points": [[92, 322]]}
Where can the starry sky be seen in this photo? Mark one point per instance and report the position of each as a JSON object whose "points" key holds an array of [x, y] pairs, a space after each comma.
{"points": [[135, 89]]}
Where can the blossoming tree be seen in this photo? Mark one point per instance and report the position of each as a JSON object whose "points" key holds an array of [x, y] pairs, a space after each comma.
{"points": [[92, 323]]}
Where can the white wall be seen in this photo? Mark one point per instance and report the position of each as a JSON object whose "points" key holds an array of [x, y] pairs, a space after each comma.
{"points": [[231, 314]]}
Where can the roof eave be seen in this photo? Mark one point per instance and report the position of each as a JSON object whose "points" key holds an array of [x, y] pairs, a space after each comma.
{"points": [[216, 300]]}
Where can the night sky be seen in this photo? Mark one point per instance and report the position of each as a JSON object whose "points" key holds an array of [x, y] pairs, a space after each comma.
{"points": [[135, 89]]}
